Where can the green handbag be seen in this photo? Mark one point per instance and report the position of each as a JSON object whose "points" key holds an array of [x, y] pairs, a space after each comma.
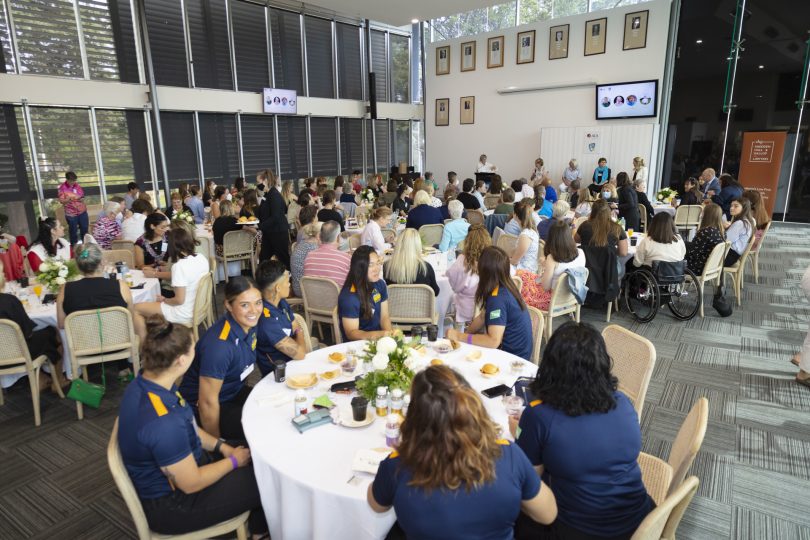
{"points": [[86, 392]]}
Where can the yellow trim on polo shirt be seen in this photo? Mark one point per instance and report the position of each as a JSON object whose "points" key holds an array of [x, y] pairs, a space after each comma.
{"points": [[157, 403], [353, 289], [502, 442], [393, 454], [535, 403], [267, 313], [495, 292], [226, 329]]}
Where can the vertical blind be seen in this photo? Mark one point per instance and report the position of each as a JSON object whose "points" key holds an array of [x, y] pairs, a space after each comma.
{"points": [[319, 57], [258, 146], [286, 29], [210, 51], [13, 181], [400, 67], [123, 33], [164, 21], [180, 147], [351, 145], [323, 137], [47, 37], [292, 147], [350, 68], [379, 64], [220, 147], [250, 46]]}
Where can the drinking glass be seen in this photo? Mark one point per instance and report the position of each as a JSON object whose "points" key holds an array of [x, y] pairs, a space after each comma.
{"points": [[38, 290]]}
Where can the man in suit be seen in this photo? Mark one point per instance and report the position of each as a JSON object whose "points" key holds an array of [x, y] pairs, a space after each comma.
{"points": [[709, 182]]}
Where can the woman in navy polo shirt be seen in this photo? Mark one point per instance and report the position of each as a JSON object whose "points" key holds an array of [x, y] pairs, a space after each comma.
{"points": [[280, 338], [505, 320], [363, 301], [181, 486], [584, 437], [451, 477], [223, 359]]}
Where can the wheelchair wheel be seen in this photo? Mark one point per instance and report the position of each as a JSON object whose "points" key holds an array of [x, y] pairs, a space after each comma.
{"points": [[685, 298], [641, 295]]}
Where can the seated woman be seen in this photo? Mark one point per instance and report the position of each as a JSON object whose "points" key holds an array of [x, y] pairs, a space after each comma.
{"points": [[600, 230], [524, 257], [151, 248], [279, 336], [451, 477], [507, 204], [628, 201], [363, 301], [186, 478], [402, 204], [225, 355], [304, 200], [463, 274], [455, 231], [299, 254], [504, 319], [691, 192], [43, 341], [347, 194], [571, 424], [730, 189], [188, 268], [50, 243], [514, 226], [407, 266], [250, 204], [584, 200], [551, 193], [759, 213], [107, 228], [558, 213], [177, 205], [561, 253], [225, 223], [661, 244], [709, 234], [422, 212], [643, 200], [329, 211], [372, 233], [740, 230]]}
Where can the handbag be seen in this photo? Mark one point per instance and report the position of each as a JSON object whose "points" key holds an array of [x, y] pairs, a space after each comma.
{"points": [[85, 392], [720, 303]]}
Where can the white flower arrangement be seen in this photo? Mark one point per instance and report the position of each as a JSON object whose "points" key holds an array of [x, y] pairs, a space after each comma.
{"points": [[392, 360], [53, 273], [666, 195], [185, 215], [366, 195]]}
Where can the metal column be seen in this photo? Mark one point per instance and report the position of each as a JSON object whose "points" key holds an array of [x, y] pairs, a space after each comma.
{"points": [[102, 184], [801, 103], [32, 148], [734, 56]]}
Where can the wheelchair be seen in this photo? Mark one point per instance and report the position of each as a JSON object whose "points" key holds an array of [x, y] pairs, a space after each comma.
{"points": [[647, 289]]}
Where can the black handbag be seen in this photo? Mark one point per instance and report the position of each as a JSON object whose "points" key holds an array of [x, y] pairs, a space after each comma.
{"points": [[721, 304]]}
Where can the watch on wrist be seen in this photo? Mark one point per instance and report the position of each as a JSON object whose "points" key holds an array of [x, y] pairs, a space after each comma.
{"points": [[218, 445]]}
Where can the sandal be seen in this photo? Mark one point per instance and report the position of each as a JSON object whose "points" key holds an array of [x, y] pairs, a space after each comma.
{"points": [[795, 360]]}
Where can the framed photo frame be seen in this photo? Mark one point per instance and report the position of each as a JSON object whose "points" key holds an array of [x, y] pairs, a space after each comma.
{"points": [[495, 52], [595, 36], [468, 56], [558, 41], [525, 47], [467, 110], [635, 30], [443, 60], [443, 112]]}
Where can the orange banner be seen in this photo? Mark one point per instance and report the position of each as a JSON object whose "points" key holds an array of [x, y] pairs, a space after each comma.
{"points": [[760, 163]]}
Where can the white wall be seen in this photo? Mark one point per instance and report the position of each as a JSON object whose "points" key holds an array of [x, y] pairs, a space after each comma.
{"points": [[508, 127]]}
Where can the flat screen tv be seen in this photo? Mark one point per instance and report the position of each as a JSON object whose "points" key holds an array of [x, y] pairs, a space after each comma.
{"points": [[280, 101], [637, 99]]}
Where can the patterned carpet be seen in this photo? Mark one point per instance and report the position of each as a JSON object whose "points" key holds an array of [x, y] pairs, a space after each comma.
{"points": [[753, 466]]}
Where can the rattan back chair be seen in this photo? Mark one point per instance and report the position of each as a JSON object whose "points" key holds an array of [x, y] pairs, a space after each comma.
{"points": [[16, 359], [112, 256], [354, 241], [475, 217], [348, 209], [203, 310], [538, 325], [642, 212], [305, 329], [491, 201], [754, 257], [238, 246], [688, 216], [713, 268], [409, 305], [123, 244], [663, 521], [320, 303], [507, 242], [562, 302], [431, 235], [737, 270], [633, 359], [99, 335]]}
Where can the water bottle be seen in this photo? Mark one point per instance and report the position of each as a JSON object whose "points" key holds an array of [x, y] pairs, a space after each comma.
{"points": [[406, 402], [300, 403], [381, 403], [392, 431], [396, 401]]}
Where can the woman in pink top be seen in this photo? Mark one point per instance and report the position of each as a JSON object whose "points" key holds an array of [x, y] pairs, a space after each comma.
{"points": [[463, 274], [71, 195]]}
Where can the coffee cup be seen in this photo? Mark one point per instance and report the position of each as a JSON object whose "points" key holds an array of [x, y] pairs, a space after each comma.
{"points": [[359, 408], [280, 371]]}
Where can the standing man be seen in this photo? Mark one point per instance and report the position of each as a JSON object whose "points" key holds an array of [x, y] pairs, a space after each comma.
{"points": [[484, 166], [71, 195], [132, 195], [709, 182]]}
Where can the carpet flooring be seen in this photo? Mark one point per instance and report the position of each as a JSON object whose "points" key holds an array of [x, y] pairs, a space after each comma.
{"points": [[753, 466]]}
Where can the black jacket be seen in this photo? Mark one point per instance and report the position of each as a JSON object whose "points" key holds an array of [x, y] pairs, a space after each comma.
{"points": [[273, 213], [643, 200], [603, 274], [628, 206]]}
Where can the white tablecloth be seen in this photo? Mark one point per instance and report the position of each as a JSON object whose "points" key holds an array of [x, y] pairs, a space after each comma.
{"points": [[303, 478], [234, 268], [439, 263], [45, 315]]}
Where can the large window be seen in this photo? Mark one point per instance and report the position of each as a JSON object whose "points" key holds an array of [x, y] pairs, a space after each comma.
{"points": [[164, 21], [379, 64], [351, 145], [99, 41], [220, 147], [319, 57], [7, 64], [124, 155], [383, 148], [180, 148], [400, 68], [16, 197], [258, 143], [250, 46], [210, 51], [402, 140], [47, 37], [292, 147], [286, 29], [350, 67], [323, 136]]}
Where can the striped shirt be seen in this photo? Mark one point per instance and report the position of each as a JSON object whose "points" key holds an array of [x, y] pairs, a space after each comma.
{"points": [[105, 231], [328, 262]]}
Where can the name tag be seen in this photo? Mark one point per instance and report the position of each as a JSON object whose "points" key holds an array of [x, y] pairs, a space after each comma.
{"points": [[247, 371], [287, 331], [164, 247]]}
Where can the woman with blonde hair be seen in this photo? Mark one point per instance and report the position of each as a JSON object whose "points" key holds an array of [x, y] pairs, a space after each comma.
{"points": [[463, 273], [423, 213], [372, 233], [287, 192], [584, 200], [451, 476], [710, 233], [639, 169], [406, 266]]}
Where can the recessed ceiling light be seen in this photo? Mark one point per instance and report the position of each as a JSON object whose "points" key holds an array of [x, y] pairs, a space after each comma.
{"points": [[414, 21], [761, 66], [699, 41]]}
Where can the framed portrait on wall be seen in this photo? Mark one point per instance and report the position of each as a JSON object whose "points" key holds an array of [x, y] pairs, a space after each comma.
{"points": [[635, 30], [595, 34], [525, 47], [558, 42], [443, 60], [443, 112], [495, 52], [468, 56], [467, 110]]}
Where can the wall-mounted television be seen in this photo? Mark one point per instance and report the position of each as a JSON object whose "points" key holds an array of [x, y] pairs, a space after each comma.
{"points": [[637, 99], [280, 101]]}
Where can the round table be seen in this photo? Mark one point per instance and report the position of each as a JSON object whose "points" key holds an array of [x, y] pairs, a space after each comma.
{"points": [[306, 481], [669, 209]]}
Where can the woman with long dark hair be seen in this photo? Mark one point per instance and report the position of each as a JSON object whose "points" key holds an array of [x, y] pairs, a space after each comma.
{"points": [[505, 320], [741, 228], [759, 213], [600, 230], [50, 243], [451, 476], [273, 224], [628, 201], [363, 301], [583, 436], [709, 234], [662, 243]]}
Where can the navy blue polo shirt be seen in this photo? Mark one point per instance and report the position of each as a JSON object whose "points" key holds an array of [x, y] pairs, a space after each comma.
{"points": [[349, 306], [503, 309], [591, 464], [155, 429], [224, 352], [487, 512], [274, 325]]}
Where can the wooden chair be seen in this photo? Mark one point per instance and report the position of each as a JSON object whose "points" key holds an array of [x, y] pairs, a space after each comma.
{"points": [[112, 256], [633, 361], [713, 268], [389, 235], [98, 335], [562, 302], [203, 310], [508, 243], [475, 217], [320, 303], [662, 478], [663, 521], [354, 242], [237, 246], [411, 304], [15, 358], [687, 217], [491, 201], [308, 345], [130, 496], [431, 235], [642, 212], [538, 325], [206, 247], [564, 196], [737, 270], [754, 258], [496, 235], [123, 244]]}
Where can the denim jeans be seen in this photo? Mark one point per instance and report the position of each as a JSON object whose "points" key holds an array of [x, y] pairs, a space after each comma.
{"points": [[77, 227]]}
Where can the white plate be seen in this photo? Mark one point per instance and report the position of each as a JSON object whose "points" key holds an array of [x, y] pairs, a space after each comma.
{"points": [[442, 346], [254, 222], [347, 419]]}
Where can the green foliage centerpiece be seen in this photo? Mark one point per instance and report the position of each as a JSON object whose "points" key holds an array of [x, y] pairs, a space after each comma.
{"points": [[184, 215], [392, 360], [666, 195], [366, 195], [53, 273]]}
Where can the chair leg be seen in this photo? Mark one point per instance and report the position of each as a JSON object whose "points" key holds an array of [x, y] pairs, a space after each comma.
{"points": [[33, 381], [241, 532], [738, 288], [700, 284], [609, 310], [2, 399], [53, 373], [576, 317], [225, 268]]}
